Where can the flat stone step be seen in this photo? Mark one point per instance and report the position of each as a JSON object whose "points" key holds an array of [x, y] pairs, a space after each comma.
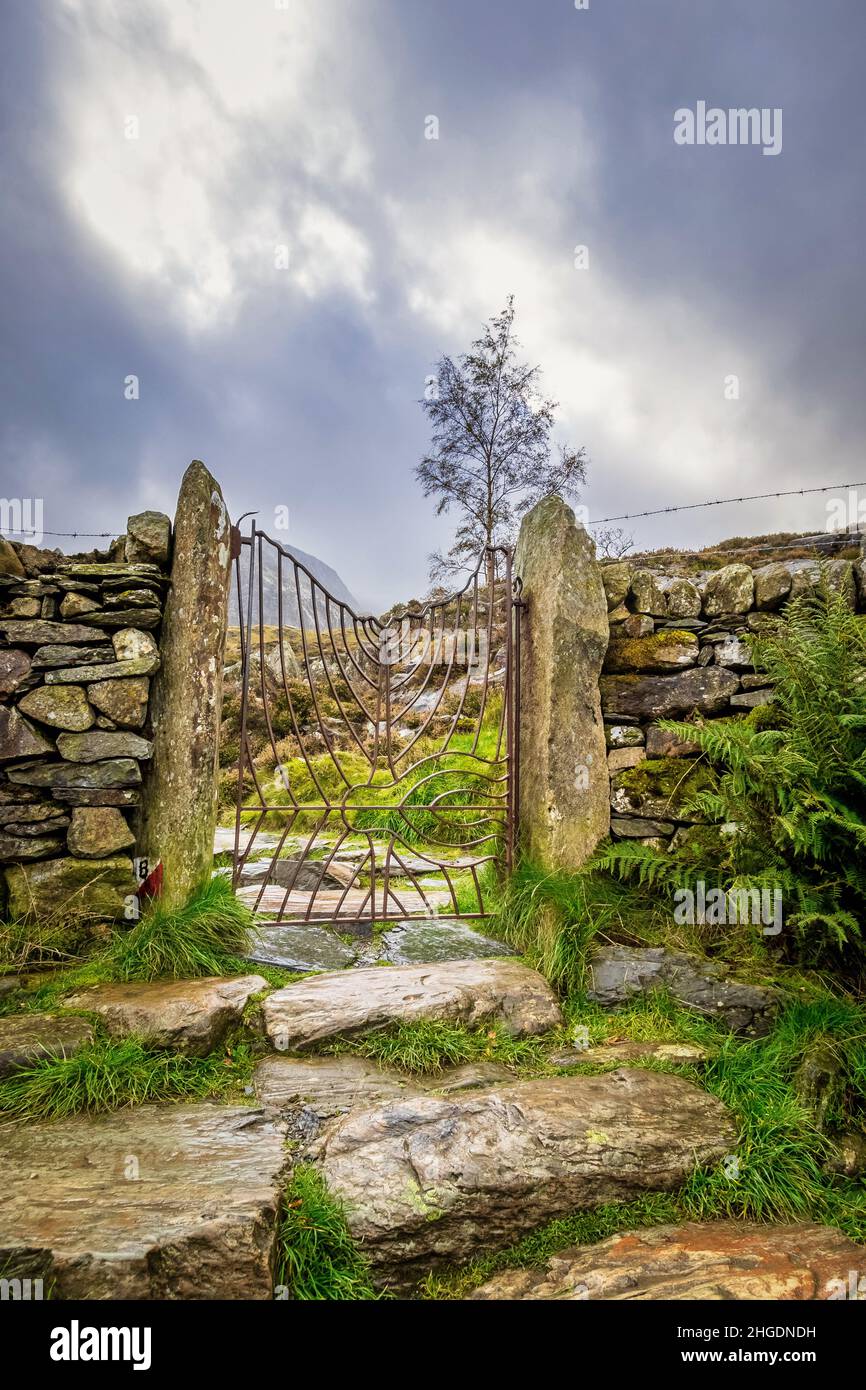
{"points": [[26, 1039], [430, 1181], [434, 940], [188, 1015], [159, 1202], [359, 1001], [626, 1053], [336, 903], [298, 946], [718, 1260]]}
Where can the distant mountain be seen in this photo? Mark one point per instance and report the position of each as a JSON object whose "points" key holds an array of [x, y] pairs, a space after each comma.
{"points": [[324, 575]]}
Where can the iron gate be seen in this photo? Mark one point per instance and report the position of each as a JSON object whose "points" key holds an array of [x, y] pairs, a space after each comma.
{"points": [[378, 765]]}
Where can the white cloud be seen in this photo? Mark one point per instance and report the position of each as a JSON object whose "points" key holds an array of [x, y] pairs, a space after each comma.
{"points": [[195, 205]]}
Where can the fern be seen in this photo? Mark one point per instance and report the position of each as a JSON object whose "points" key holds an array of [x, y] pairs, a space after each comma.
{"points": [[791, 778]]}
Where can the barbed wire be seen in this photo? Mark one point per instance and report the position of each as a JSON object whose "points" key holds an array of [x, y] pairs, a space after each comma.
{"points": [[723, 501]]}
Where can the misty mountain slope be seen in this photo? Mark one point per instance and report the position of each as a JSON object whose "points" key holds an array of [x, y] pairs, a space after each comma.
{"points": [[327, 577]]}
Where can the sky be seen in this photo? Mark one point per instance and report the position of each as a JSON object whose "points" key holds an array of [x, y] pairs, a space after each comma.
{"points": [[237, 202]]}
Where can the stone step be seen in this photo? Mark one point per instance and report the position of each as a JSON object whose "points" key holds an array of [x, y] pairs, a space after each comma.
{"points": [[716, 1260], [358, 1001], [169, 1201], [190, 1016], [433, 1181], [26, 1039]]}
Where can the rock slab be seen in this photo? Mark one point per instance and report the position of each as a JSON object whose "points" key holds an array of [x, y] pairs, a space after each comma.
{"points": [[173, 1202], [618, 973], [26, 1039], [429, 1181], [190, 1016], [361, 1001], [719, 1260]]}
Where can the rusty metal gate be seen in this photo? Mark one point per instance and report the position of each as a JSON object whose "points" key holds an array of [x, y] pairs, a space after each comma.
{"points": [[378, 765]]}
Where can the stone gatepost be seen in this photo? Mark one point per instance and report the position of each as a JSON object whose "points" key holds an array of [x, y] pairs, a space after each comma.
{"points": [[179, 808], [564, 789]]}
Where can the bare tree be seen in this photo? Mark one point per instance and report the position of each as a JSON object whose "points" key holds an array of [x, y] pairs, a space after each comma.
{"points": [[490, 457]]}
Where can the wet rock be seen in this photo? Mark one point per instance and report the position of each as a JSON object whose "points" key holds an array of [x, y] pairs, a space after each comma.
{"points": [[298, 946], [58, 654], [180, 1203], [326, 1086], [417, 942], [115, 772], [144, 666], [618, 973], [26, 1039], [360, 1001], [716, 1260], [124, 617], [36, 634], [429, 1181], [628, 1053], [191, 1016], [819, 1082]]}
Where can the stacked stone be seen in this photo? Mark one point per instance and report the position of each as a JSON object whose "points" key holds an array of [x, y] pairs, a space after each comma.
{"points": [[79, 641], [678, 650]]}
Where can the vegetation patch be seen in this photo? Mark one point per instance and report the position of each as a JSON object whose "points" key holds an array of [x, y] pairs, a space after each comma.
{"points": [[316, 1256], [425, 1048]]}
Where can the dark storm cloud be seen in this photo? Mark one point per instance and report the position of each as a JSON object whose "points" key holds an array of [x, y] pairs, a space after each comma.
{"points": [[556, 129]]}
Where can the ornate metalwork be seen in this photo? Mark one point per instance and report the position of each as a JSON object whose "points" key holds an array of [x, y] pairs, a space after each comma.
{"points": [[378, 759]]}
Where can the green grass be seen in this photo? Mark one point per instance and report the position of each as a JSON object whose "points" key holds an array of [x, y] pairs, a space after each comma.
{"points": [[425, 1048], [109, 1075], [316, 1257], [197, 939]]}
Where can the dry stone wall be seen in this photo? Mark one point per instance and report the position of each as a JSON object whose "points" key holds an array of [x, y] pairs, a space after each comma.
{"points": [[678, 650], [79, 643]]}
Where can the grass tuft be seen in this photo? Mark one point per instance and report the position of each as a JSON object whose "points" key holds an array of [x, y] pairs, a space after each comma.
{"points": [[425, 1048], [316, 1256], [203, 938]]}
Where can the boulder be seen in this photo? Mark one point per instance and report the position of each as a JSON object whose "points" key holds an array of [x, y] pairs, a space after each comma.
{"points": [[62, 706], [750, 699], [772, 584], [819, 1082], [633, 624], [148, 538], [729, 590], [733, 652], [132, 645], [663, 697], [563, 786], [26, 1039], [18, 738], [683, 599], [618, 973], [667, 650], [326, 1086], [95, 747], [10, 564], [362, 1001], [97, 832], [14, 669], [14, 847], [647, 595], [124, 700], [620, 758], [74, 605], [191, 1016], [86, 887], [721, 1260], [430, 1181], [157, 1202], [616, 581]]}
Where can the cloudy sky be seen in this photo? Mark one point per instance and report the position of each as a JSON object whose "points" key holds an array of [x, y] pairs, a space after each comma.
{"points": [[155, 155]]}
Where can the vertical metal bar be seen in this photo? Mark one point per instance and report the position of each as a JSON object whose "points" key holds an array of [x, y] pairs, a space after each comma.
{"points": [[245, 676], [517, 609]]}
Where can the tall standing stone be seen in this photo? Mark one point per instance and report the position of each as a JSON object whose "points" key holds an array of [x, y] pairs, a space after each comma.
{"points": [[179, 807], [564, 790]]}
